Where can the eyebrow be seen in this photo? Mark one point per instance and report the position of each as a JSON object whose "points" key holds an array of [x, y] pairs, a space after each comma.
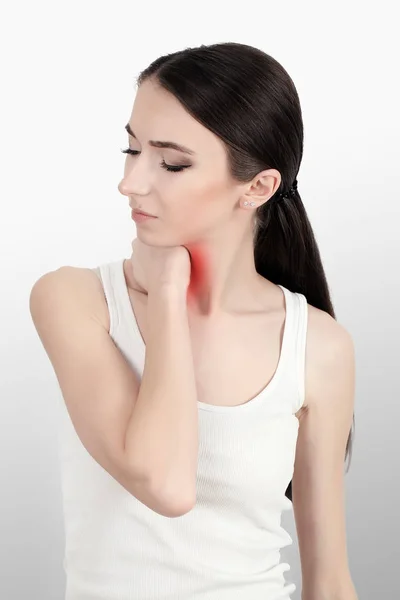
{"points": [[158, 144]]}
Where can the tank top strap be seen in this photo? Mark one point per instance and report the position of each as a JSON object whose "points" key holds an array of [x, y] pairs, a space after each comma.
{"points": [[301, 341], [297, 320], [124, 329], [108, 275]]}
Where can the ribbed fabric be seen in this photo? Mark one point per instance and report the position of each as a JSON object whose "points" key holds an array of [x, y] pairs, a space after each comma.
{"points": [[228, 546]]}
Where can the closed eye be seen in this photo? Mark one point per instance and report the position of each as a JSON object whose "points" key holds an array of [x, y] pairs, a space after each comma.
{"points": [[163, 164]]}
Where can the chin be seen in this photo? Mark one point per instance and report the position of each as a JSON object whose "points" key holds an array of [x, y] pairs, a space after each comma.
{"points": [[152, 239]]}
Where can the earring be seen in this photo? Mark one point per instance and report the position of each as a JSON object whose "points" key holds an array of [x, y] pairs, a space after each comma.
{"points": [[245, 203]]}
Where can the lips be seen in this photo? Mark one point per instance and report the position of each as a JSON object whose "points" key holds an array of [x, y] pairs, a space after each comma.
{"points": [[141, 212]]}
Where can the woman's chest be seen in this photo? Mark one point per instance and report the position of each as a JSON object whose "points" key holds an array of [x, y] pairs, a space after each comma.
{"points": [[234, 358]]}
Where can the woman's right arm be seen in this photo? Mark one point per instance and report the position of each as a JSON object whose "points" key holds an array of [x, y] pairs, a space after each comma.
{"points": [[162, 434], [144, 435]]}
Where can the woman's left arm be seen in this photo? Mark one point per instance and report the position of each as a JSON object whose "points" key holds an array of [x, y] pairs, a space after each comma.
{"points": [[318, 481]]}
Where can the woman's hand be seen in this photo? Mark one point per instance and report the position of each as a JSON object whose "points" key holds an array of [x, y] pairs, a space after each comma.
{"points": [[154, 266]]}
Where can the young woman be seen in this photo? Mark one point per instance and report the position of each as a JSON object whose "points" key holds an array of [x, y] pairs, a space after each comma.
{"points": [[207, 382]]}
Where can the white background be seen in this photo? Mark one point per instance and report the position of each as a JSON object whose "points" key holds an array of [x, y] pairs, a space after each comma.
{"points": [[68, 83]]}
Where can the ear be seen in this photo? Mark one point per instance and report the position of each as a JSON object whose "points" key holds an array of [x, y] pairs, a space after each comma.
{"points": [[263, 186]]}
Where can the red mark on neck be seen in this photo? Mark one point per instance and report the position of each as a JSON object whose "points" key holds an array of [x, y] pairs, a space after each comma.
{"points": [[200, 268]]}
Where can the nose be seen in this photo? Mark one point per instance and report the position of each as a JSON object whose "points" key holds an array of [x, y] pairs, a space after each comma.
{"points": [[122, 188], [129, 187], [132, 184]]}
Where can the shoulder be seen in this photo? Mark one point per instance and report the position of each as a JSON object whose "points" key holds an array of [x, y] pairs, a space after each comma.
{"points": [[78, 283], [325, 334], [329, 351]]}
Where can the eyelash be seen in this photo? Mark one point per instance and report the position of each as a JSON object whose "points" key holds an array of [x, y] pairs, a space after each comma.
{"points": [[170, 168]]}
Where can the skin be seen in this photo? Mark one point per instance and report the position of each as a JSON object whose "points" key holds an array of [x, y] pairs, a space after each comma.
{"points": [[202, 208]]}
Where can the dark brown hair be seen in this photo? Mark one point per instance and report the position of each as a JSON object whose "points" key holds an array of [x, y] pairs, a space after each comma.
{"points": [[246, 98]]}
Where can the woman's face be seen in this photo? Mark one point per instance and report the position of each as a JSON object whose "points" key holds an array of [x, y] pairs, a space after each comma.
{"points": [[200, 195]]}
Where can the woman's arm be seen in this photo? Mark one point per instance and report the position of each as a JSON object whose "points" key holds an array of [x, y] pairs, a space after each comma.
{"points": [[318, 480], [143, 433], [162, 434]]}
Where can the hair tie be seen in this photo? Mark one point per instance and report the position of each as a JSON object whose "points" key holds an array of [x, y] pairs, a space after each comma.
{"points": [[291, 192]]}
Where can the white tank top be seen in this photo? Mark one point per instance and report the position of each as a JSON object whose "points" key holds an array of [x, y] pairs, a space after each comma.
{"points": [[228, 546]]}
